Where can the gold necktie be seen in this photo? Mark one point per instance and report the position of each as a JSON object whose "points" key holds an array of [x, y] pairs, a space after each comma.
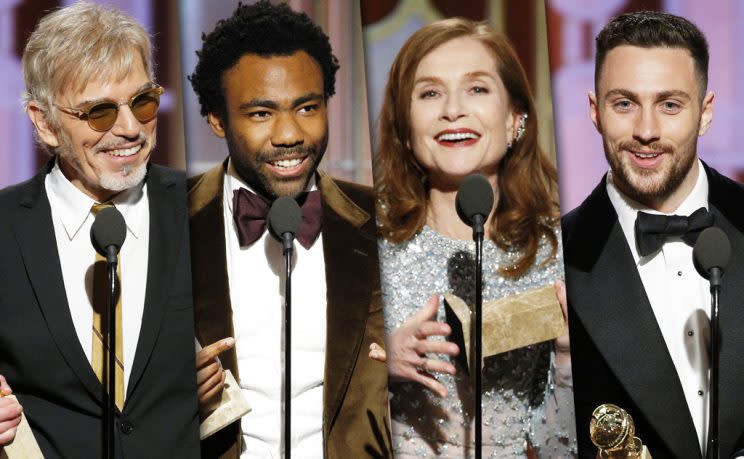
{"points": [[101, 289]]}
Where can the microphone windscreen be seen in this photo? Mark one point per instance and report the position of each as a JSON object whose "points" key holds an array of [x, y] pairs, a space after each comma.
{"points": [[712, 249], [108, 229], [474, 197], [284, 217]]}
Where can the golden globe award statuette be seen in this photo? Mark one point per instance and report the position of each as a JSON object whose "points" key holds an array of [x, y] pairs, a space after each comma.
{"points": [[613, 432]]}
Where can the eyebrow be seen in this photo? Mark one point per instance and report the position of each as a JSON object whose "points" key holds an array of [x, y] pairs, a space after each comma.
{"points": [[659, 96], [469, 75], [149, 84], [274, 105]]}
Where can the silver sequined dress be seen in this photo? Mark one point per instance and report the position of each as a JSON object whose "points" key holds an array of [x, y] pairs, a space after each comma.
{"points": [[521, 401]]}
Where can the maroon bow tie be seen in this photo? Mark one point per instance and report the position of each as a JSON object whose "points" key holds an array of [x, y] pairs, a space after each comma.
{"points": [[250, 210]]}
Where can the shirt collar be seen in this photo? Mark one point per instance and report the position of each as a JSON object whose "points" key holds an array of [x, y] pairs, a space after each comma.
{"points": [[627, 209], [74, 207]]}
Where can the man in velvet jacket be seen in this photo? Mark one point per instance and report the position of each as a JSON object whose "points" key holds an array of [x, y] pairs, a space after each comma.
{"points": [[638, 308], [94, 108], [263, 79]]}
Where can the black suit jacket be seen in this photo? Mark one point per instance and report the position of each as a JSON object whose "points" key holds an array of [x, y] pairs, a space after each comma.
{"points": [[618, 352], [41, 356]]}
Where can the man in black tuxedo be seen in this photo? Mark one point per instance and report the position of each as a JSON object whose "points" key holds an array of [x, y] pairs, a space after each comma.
{"points": [[638, 312], [91, 97]]}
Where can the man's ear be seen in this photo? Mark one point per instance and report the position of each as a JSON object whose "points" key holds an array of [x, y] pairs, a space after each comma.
{"points": [[215, 122], [593, 111], [706, 116], [43, 128]]}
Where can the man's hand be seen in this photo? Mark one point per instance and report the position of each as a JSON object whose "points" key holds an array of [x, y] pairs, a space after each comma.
{"points": [[408, 346], [562, 343], [10, 414], [210, 377]]}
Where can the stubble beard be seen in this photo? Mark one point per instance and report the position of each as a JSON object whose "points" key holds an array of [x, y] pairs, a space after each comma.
{"points": [[249, 166], [647, 186]]}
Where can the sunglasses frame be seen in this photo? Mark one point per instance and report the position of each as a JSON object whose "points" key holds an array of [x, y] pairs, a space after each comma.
{"points": [[83, 113]]}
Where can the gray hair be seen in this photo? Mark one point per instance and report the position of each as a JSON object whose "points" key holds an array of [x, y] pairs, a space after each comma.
{"points": [[77, 44]]}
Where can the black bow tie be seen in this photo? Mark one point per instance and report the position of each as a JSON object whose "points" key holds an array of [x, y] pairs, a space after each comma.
{"points": [[652, 230]]}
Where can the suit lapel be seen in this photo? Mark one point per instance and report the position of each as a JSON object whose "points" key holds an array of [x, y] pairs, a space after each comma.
{"points": [[35, 233], [212, 307], [616, 309], [165, 236], [348, 243]]}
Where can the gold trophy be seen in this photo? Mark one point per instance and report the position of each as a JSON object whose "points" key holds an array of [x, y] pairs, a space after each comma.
{"points": [[613, 432]]}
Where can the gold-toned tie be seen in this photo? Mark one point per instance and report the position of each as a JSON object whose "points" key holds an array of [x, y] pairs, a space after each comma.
{"points": [[99, 358]]}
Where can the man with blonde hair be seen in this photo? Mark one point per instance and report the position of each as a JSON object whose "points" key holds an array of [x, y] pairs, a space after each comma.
{"points": [[92, 100]]}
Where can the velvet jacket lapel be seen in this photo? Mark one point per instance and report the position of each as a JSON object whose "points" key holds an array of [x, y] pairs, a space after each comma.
{"points": [[349, 240], [35, 233], [212, 307], [608, 297]]}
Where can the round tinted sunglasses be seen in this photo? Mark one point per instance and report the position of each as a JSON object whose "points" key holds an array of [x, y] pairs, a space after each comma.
{"points": [[101, 116]]}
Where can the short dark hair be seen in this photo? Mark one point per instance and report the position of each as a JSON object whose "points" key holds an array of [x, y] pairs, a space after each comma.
{"points": [[652, 29], [265, 30]]}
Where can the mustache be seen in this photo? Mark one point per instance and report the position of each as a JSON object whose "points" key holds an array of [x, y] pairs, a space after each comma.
{"points": [[115, 144], [634, 145], [276, 154]]}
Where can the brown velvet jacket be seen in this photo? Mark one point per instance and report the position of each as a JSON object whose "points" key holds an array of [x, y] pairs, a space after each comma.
{"points": [[355, 419]]}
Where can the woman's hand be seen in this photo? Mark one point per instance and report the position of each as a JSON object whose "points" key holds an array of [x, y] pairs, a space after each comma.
{"points": [[408, 345]]}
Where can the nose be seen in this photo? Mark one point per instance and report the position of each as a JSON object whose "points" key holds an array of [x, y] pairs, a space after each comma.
{"points": [[646, 129], [453, 108], [126, 124], [286, 131]]}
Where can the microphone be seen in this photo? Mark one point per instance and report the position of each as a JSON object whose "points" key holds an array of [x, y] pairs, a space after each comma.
{"points": [[474, 201], [108, 233], [711, 255], [284, 220]]}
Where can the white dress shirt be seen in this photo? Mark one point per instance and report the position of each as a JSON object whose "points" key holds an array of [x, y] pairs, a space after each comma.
{"points": [[679, 297], [72, 220], [256, 275]]}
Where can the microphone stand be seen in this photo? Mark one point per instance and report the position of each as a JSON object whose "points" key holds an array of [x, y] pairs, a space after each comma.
{"points": [[287, 239], [715, 292], [478, 231], [111, 263]]}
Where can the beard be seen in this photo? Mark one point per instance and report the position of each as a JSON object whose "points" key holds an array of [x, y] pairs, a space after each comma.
{"points": [[251, 166], [127, 177], [649, 186]]}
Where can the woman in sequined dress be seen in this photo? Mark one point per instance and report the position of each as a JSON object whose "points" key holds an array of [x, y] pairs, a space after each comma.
{"points": [[457, 102]]}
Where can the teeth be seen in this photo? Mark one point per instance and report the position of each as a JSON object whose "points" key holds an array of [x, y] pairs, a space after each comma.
{"points": [[454, 136], [127, 152], [646, 155], [287, 163]]}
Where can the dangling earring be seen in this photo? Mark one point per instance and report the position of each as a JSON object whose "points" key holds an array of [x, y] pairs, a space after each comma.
{"points": [[520, 130]]}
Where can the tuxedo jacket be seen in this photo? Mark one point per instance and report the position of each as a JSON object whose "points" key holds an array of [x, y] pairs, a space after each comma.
{"points": [[618, 352], [40, 353], [355, 420]]}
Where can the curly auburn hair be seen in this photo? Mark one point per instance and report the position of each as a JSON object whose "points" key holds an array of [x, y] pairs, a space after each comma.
{"points": [[265, 30], [527, 186]]}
